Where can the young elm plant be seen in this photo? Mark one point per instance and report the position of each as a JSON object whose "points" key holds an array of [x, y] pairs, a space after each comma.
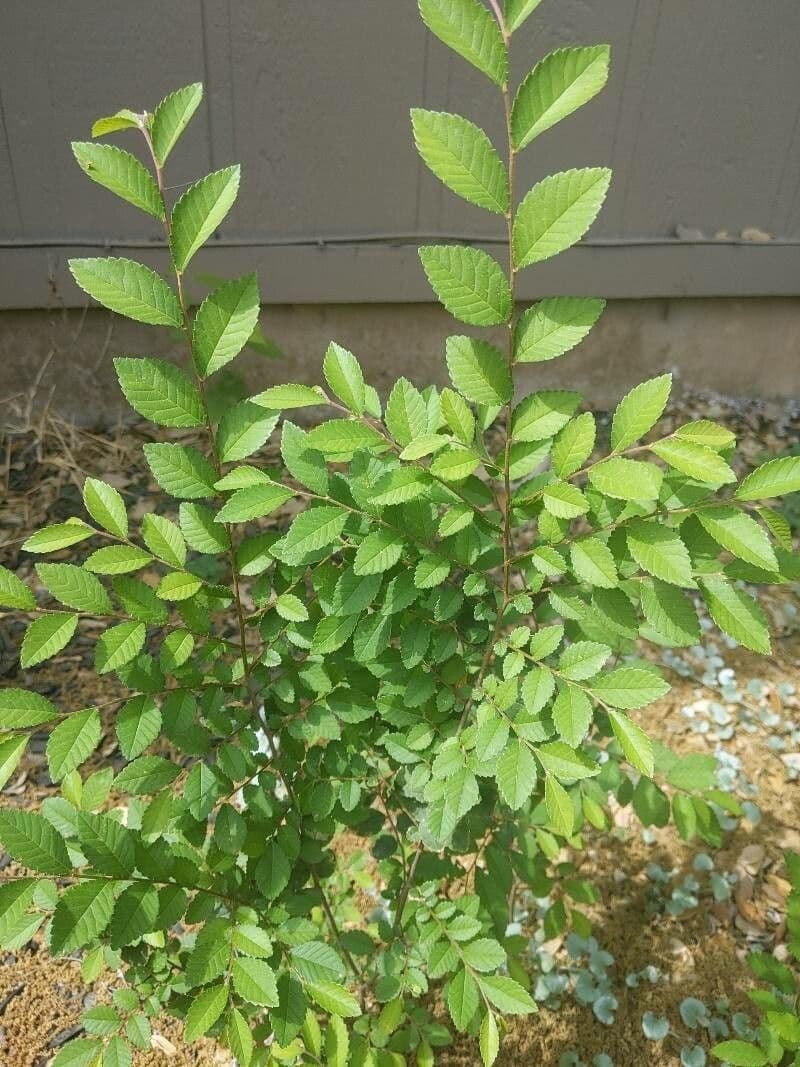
{"points": [[438, 651]]}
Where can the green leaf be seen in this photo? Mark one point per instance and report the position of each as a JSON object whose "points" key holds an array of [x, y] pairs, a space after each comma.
{"points": [[314, 529], [286, 397], [72, 742], [204, 1011], [274, 871], [343, 437], [14, 593], [171, 117], [332, 633], [554, 326], [109, 846], [565, 501], [82, 914], [542, 414], [117, 559], [399, 486], [11, 751], [593, 562], [489, 1039], [124, 119], [180, 470], [566, 763], [287, 1019], [462, 156], [406, 415], [19, 709], [639, 411], [254, 981], [740, 1054], [75, 587], [200, 211], [559, 806], [243, 429], [469, 282], [558, 85], [572, 714], [574, 444], [200, 529], [635, 743], [178, 585], [462, 998], [47, 636], [484, 954], [659, 550], [458, 416], [379, 551], [240, 1039], [60, 535], [775, 478], [467, 27], [147, 774], [164, 539], [129, 288], [121, 173], [138, 725], [670, 613], [80, 1052], [696, 461], [345, 377], [627, 479], [118, 646], [583, 659], [630, 687], [134, 914], [117, 1053], [740, 534], [557, 212], [516, 774], [478, 370], [507, 995], [254, 502], [333, 998], [106, 506], [160, 392], [693, 772], [736, 614], [33, 842], [224, 322]]}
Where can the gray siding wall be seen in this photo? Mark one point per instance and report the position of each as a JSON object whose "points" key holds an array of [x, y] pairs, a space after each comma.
{"points": [[701, 124]]}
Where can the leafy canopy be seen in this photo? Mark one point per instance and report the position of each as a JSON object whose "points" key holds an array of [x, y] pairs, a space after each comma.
{"points": [[419, 627]]}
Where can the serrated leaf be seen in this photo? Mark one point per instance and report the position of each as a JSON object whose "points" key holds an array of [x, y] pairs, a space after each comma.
{"points": [[59, 535], [507, 995], [574, 444], [243, 429], [82, 914], [124, 119], [458, 416], [554, 326], [178, 585], [462, 156], [204, 1011], [399, 486], [11, 751], [47, 636], [345, 377], [740, 534], [455, 464], [627, 479], [558, 85], [670, 612], [516, 774], [254, 981], [33, 842], [469, 282], [80, 1052], [630, 687], [406, 416], [147, 774], [565, 501], [286, 397], [171, 117], [560, 811], [695, 461], [774, 478], [160, 392], [635, 743], [557, 212], [468, 28], [200, 529], [542, 414], [138, 725], [223, 324], [343, 437], [462, 998], [572, 715], [106, 506], [134, 914], [489, 1039], [180, 470], [121, 173], [109, 846], [736, 614], [14, 593], [117, 559], [129, 288], [660, 551], [118, 646], [565, 763], [314, 529], [72, 742], [740, 1054], [20, 709], [240, 1039], [200, 211], [334, 998], [379, 551], [639, 411], [291, 608], [478, 370], [593, 562]]}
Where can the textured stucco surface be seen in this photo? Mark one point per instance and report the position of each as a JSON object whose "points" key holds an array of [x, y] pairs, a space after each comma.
{"points": [[738, 347]]}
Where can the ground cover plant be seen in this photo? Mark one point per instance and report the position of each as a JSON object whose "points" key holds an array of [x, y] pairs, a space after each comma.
{"points": [[439, 653]]}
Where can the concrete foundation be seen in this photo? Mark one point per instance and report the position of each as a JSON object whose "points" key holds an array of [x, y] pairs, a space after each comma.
{"points": [[740, 347]]}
